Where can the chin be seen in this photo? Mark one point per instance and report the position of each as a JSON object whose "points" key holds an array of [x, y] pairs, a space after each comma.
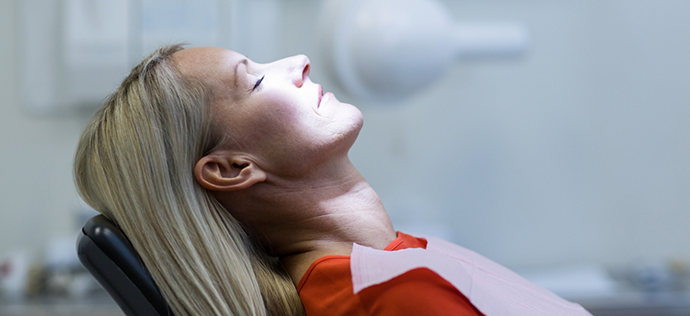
{"points": [[355, 128], [357, 115], [357, 120]]}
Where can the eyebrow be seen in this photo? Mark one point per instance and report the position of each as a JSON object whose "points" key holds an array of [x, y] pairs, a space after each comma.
{"points": [[244, 61]]}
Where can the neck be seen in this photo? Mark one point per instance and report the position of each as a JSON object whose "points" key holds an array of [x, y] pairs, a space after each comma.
{"points": [[301, 221]]}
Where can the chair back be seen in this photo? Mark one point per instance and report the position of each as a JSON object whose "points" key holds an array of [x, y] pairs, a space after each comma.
{"points": [[108, 255]]}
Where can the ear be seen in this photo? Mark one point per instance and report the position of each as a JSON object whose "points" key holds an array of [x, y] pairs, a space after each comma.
{"points": [[225, 171]]}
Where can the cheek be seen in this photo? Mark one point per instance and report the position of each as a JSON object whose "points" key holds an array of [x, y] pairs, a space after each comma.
{"points": [[276, 130], [283, 130], [278, 120], [287, 113]]}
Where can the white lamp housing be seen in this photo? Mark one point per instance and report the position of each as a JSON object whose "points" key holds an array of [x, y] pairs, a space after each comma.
{"points": [[384, 50]]}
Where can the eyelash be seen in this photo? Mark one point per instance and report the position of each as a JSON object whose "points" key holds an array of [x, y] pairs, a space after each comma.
{"points": [[258, 82]]}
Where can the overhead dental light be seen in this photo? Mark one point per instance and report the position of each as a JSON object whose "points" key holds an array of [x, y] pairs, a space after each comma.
{"points": [[385, 50]]}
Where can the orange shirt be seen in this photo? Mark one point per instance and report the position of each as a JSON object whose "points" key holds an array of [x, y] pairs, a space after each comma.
{"points": [[326, 289]]}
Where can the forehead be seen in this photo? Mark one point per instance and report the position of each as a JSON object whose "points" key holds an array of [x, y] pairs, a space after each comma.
{"points": [[215, 67]]}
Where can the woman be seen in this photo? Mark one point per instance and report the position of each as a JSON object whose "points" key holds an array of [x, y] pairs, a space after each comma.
{"points": [[232, 181]]}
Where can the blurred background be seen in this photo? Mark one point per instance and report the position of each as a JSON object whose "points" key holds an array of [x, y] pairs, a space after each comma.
{"points": [[570, 163]]}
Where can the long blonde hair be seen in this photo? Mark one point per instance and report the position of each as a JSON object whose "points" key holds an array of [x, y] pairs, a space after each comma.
{"points": [[134, 163]]}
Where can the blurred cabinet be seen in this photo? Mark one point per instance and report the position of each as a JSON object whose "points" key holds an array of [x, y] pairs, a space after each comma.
{"points": [[75, 52]]}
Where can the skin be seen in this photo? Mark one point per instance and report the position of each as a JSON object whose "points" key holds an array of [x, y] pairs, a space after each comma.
{"points": [[283, 168]]}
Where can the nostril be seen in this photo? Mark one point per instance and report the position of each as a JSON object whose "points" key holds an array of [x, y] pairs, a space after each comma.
{"points": [[305, 72], [299, 81], [300, 61]]}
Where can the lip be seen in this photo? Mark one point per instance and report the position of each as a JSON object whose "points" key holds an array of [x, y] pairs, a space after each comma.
{"points": [[318, 105]]}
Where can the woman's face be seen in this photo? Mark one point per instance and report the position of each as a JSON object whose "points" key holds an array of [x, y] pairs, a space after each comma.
{"points": [[273, 111]]}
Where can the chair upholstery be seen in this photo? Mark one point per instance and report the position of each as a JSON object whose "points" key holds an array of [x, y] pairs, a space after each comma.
{"points": [[105, 252]]}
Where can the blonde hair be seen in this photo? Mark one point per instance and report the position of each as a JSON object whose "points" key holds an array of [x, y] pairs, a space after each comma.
{"points": [[134, 163]]}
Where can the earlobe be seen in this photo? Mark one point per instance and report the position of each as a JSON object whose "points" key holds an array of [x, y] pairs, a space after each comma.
{"points": [[223, 172]]}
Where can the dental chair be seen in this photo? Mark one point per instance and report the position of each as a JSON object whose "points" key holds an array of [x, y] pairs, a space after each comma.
{"points": [[105, 252]]}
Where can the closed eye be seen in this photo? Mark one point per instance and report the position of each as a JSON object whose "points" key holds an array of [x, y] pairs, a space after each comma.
{"points": [[258, 83]]}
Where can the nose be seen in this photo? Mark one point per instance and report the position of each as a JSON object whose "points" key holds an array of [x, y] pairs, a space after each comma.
{"points": [[299, 69]]}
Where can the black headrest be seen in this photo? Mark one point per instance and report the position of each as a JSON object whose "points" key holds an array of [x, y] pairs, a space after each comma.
{"points": [[105, 251]]}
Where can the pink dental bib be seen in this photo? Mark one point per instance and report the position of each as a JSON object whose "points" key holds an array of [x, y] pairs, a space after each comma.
{"points": [[490, 287]]}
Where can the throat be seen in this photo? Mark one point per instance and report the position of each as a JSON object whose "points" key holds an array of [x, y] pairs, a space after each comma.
{"points": [[302, 222]]}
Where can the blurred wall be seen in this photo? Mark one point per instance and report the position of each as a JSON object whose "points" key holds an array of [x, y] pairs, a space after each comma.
{"points": [[578, 153], [37, 197]]}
